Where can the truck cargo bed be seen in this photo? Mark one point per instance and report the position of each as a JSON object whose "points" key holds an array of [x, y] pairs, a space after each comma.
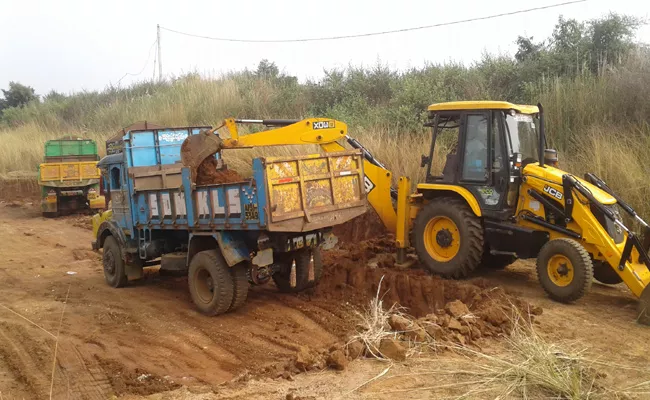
{"points": [[285, 194]]}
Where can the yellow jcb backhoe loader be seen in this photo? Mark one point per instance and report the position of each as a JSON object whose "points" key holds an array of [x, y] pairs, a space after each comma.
{"points": [[500, 196]]}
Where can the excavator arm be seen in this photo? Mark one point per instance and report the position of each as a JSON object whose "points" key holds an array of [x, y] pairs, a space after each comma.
{"points": [[327, 133]]}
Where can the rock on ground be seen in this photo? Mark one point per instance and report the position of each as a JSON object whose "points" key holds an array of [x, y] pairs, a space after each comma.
{"points": [[457, 308], [399, 323], [391, 348]]}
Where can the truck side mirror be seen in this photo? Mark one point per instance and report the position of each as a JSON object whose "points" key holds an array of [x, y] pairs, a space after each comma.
{"points": [[424, 161]]}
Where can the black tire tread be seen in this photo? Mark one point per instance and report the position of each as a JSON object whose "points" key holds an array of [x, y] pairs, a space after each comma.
{"points": [[585, 259], [121, 280], [221, 274], [239, 274], [475, 237], [282, 278]]}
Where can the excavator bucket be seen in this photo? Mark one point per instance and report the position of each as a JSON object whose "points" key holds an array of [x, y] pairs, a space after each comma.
{"points": [[643, 309], [197, 148]]}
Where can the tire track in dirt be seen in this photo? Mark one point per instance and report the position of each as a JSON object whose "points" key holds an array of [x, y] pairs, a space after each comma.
{"points": [[24, 359], [140, 339]]}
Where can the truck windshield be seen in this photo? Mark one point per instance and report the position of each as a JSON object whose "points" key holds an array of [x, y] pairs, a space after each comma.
{"points": [[524, 139]]}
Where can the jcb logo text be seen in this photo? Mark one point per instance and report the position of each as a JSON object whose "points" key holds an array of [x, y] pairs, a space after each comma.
{"points": [[323, 124], [553, 192]]}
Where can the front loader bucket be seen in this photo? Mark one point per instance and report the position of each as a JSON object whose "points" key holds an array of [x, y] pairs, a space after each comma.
{"points": [[643, 309], [196, 148]]}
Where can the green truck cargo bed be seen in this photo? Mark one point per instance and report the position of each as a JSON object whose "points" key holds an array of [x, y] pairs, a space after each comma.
{"points": [[76, 149]]}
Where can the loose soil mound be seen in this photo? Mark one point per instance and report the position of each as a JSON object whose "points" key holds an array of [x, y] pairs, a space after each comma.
{"points": [[354, 271], [363, 227], [208, 174]]}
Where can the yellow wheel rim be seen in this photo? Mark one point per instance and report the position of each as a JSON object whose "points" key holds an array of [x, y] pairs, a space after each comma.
{"points": [[441, 239], [560, 270]]}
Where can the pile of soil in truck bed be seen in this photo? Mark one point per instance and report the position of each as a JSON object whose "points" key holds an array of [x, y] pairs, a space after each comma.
{"points": [[208, 174]]}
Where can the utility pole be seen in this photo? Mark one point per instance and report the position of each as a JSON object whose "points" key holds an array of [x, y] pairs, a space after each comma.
{"points": [[159, 55]]}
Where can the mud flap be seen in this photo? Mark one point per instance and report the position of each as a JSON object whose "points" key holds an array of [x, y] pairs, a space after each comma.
{"points": [[133, 271], [232, 249], [643, 309]]}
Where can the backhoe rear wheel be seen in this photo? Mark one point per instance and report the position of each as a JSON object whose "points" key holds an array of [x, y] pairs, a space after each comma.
{"points": [[564, 269], [448, 237]]}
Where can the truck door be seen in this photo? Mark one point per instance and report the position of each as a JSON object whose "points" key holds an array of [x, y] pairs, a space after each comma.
{"points": [[119, 196]]}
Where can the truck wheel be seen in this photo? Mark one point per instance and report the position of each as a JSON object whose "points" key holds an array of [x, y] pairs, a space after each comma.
{"points": [[496, 261], [448, 238], [239, 275], [564, 270], [211, 284], [302, 258], [603, 273], [114, 271]]}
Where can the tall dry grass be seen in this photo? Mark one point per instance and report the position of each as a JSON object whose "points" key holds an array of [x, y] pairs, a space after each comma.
{"points": [[597, 122]]}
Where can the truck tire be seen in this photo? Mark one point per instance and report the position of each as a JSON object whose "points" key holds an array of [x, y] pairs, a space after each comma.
{"points": [[282, 278], [564, 269], [114, 270], [239, 275], [603, 273], [448, 238], [211, 284]]}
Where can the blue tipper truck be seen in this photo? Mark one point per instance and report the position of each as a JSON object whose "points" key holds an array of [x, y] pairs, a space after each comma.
{"points": [[226, 236]]}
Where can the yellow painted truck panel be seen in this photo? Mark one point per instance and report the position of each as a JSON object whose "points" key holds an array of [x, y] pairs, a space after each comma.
{"points": [[314, 191], [68, 171]]}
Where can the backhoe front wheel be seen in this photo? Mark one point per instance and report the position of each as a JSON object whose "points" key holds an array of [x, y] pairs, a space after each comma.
{"points": [[448, 237], [564, 269]]}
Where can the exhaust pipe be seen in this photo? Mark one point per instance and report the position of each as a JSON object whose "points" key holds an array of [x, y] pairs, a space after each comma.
{"points": [[542, 135]]}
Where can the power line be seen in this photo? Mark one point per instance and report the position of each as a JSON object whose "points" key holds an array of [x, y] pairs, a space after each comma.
{"points": [[462, 21], [143, 67]]}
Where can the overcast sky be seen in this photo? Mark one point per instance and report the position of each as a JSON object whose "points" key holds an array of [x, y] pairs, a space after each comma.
{"points": [[71, 45]]}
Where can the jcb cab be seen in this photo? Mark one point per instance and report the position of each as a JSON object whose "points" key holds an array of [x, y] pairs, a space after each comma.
{"points": [[500, 196]]}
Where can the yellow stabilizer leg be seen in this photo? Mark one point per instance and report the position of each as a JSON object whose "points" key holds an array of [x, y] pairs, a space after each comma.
{"points": [[402, 228], [643, 309]]}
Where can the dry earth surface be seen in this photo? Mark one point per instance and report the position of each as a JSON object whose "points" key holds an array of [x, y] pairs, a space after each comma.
{"points": [[147, 341]]}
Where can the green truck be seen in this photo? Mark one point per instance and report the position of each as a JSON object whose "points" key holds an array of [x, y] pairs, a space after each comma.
{"points": [[69, 177]]}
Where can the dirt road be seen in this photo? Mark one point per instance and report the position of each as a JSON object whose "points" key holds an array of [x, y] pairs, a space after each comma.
{"points": [[148, 338], [140, 339]]}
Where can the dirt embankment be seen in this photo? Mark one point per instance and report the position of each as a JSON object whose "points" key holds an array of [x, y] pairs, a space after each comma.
{"points": [[19, 189]]}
